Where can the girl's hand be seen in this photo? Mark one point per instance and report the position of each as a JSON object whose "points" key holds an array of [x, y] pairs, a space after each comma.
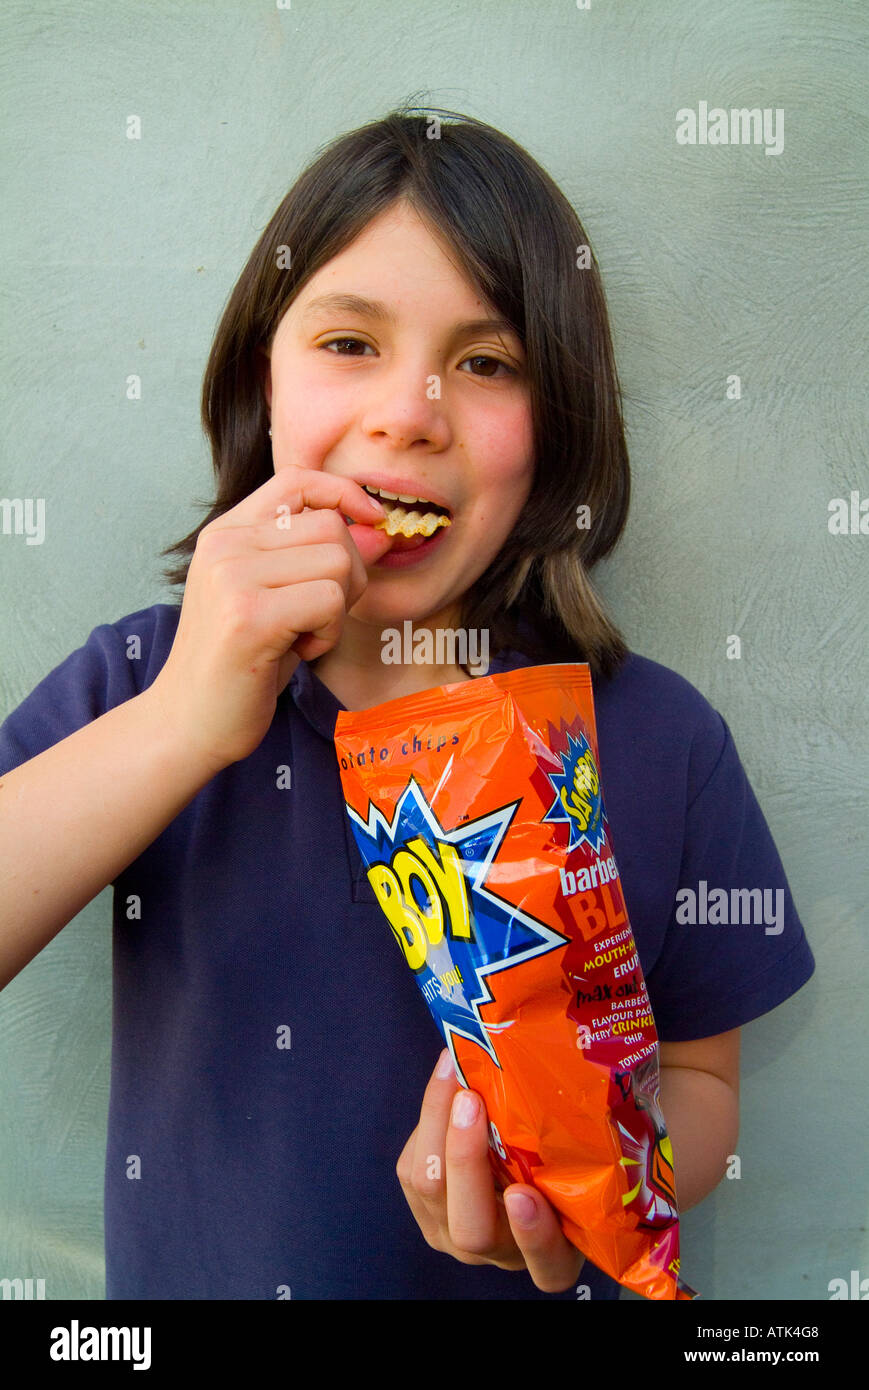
{"points": [[445, 1175], [269, 585]]}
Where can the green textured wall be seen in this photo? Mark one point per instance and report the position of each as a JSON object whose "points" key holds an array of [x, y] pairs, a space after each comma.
{"points": [[117, 256]]}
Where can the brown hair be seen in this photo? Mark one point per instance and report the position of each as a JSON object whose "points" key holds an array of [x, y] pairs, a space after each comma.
{"points": [[517, 238]]}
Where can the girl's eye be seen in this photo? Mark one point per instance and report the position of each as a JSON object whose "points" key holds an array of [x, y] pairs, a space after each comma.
{"points": [[357, 342], [493, 362]]}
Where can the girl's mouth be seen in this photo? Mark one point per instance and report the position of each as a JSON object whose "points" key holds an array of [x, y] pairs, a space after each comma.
{"points": [[416, 524], [416, 527], [410, 550]]}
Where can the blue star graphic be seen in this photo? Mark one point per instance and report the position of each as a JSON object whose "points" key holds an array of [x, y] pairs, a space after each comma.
{"points": [[578, 801], [501, 936]]}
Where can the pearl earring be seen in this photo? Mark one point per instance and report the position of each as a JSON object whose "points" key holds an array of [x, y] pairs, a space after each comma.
{"points": [[270, 431]]}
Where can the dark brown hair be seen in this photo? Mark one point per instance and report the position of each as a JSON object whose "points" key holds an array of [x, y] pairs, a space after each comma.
{"points": [[518, 239]]}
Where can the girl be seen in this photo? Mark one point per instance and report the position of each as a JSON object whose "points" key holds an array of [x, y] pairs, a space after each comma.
{"points": [[416, 321]]}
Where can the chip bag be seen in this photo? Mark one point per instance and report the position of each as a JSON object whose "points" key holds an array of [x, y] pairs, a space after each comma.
{"points": [[478, 812]]}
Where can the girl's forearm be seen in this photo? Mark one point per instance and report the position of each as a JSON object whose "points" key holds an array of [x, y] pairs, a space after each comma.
{"points": [[701, 1113], [76, 815]]}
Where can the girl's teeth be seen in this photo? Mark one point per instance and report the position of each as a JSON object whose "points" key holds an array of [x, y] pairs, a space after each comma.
{"points": [[396, 496]]}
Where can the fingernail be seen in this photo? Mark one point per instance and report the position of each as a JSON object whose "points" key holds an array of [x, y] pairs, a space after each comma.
{"points": [[466, 1108], [521, 1208], [377, 505], [445, 1067]]}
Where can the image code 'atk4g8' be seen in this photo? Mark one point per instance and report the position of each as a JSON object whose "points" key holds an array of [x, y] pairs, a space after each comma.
{"points": [[479, 813]]}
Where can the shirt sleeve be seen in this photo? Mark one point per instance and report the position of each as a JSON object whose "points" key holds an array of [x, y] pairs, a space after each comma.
{"points": [[83, 687], [734, 946]]}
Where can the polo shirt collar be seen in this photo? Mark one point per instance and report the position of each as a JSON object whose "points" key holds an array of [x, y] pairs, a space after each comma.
{"points": [[320, 707]]}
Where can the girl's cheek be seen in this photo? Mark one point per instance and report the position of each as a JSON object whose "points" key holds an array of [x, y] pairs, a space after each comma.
{"points": [[515, 488], [314, 420], [514, 454]]}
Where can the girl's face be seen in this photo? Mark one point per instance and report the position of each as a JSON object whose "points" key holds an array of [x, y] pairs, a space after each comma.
{"points": [[411, 392]]}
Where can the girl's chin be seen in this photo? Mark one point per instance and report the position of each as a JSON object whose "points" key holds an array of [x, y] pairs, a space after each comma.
{"points": [[378, 612]]}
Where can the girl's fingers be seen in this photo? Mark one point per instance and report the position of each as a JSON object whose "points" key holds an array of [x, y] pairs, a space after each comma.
{"points": [[553, 1263], [322, 549], [447, 1180], [421, 1167], [299, 564], [318, 612], [427, 1174], [448, 1183], [424, 1205], [292, 489], [312, 527], [476, 1220]]}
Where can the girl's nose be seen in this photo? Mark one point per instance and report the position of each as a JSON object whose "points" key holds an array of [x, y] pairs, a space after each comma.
{"points": [[408, 406]]}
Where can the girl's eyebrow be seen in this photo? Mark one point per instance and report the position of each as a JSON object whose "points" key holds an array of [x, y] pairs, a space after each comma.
{"points": [[376, 309]]}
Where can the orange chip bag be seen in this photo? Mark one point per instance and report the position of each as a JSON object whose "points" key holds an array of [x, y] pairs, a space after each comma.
{"points": [[478, 811]]}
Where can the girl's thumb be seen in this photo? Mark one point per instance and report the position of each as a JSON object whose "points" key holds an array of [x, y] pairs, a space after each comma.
{"points": [[370, 541]]}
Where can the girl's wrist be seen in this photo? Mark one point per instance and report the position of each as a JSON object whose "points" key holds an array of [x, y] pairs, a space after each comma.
{"points": [[179, 747]]}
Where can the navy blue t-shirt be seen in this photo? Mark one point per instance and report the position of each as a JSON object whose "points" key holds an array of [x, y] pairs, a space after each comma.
{"points": [[270, 1048]]}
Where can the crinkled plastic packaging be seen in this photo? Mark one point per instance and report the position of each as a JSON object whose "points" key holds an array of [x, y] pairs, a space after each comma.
{"points": [[478, 811]]}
